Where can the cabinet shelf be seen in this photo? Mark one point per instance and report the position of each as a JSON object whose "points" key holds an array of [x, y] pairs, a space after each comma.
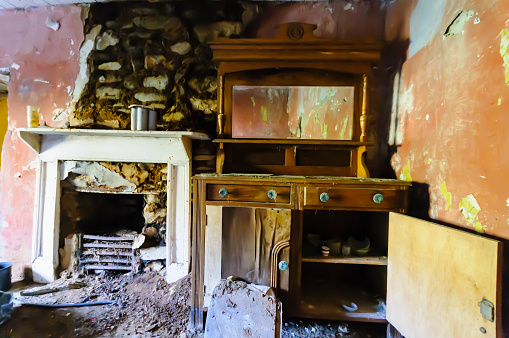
{"points": [[371, 259], [323, 299]]}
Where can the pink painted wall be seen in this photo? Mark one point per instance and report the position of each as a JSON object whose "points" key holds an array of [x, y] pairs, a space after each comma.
{"points": [[48, 66], [452, 110]]}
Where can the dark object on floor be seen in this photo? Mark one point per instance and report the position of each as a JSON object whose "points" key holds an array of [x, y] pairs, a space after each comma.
{"points": [[65, 305], [5, 276], [5, 306]]}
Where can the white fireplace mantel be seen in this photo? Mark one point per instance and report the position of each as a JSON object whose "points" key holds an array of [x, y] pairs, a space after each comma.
{"points": [[55, 145]]}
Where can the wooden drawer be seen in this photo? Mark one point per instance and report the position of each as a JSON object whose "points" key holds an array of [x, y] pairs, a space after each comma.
{"points": [[373, 198], [248, 193]]}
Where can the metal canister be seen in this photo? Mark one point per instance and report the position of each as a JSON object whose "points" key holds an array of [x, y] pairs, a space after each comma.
{"points": [[142, 118], [152, 120], [134, 118]]}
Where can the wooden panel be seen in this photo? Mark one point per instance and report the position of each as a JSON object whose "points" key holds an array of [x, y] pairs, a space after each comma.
{"points": [[248, 193], [355, 198], [248, 236], [436, 278], [212, 264]]}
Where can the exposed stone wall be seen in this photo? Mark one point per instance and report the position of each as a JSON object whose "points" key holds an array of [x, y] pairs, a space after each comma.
{"points": [[114, 176], [153, 54]]}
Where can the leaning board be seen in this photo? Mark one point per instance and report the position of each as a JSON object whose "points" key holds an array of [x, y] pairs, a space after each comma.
{"points": [[436, 276]]}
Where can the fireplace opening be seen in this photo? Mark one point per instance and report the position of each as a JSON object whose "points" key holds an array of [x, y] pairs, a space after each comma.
{"points": [[110, 229], [100, 214]]}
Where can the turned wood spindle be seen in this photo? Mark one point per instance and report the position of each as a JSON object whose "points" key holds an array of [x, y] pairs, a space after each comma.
{"points": [[364, 117]]}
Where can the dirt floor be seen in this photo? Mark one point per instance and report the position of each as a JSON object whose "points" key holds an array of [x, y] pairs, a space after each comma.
{"points": [[143, 306]]}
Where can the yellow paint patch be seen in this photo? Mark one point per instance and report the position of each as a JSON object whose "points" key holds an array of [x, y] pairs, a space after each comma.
{"points": [[344, 123], [447, 195], [324, 131], [405, 173], [263, 110], [429, 161], [504, 51], [499, 102], [470, 210], [253, 100]]}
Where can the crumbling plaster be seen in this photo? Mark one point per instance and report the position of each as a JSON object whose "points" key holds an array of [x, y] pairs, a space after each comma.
{"points": [[452, 134]]}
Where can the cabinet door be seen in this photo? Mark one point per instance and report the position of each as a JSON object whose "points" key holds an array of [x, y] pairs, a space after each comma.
{"points": [[439, 279], [249, 244]]}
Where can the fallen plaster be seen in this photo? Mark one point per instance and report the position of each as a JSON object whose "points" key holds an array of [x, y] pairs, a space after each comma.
{"points": [[99, 175], [447, 195], [239, 309], [470, 210], [459, 22]]}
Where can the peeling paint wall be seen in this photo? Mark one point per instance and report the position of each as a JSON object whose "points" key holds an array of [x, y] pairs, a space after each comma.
{"points": [[3, 120], [452, 131], [43, 70]]}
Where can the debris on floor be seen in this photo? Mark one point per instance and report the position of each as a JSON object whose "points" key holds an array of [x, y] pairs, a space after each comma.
{"points": [[144, 306], [329, 329]]}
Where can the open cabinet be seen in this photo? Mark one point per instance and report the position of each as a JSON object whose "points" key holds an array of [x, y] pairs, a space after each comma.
{"points": [[343, 285], [425, 279]]}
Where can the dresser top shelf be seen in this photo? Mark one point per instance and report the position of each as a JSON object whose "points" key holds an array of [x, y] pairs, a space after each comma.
{"points": [[299, 179]]}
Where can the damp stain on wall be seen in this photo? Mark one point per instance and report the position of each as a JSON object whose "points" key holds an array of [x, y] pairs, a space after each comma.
{"points": [[405, 173], [470, 210], [447, 195], [504, 52]]}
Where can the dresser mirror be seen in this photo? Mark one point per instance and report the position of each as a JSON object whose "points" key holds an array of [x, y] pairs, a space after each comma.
{"points": [[292, 104]]}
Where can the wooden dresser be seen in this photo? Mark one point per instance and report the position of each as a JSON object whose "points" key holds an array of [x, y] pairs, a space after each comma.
{"points": [[291, 179], [264, 228]]}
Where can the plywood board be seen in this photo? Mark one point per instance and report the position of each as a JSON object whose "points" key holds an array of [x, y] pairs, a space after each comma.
{"points": [[436, 278]]}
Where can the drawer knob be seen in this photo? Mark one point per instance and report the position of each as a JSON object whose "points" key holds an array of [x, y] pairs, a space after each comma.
{"points": [[324, 197], [272, 194], [223, 192], [378, 198], [283, 265]]}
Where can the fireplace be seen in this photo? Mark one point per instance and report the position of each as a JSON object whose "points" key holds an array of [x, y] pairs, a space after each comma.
{"points": [[59, 148]]}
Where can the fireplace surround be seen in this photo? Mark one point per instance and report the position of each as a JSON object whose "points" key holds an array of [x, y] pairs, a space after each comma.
{"points": [[56, 145]]}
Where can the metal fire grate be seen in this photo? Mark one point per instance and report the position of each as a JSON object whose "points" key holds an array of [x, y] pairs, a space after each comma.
{"points": [[100, 253]]}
